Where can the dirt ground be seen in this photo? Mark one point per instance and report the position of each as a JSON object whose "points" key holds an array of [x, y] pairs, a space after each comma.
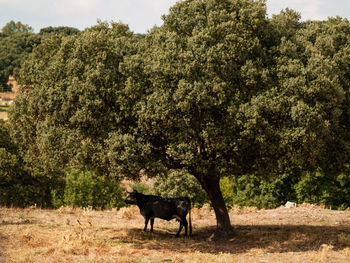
{"points": [[302, 234], [15, 89]]}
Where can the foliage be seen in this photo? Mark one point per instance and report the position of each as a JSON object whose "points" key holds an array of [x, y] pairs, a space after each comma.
{"points": [[180, 183], [12, 28], [322, 188], [226, 186], [253, 190], [17, 186], [304, 109], [14, 50], [141, 188], [86, 188], [59, 30], [73, 100], [263, 192], [190, 88]]}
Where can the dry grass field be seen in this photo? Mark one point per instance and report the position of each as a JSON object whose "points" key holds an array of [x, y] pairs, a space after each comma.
{"points": [[3, 112], [302, 234], [3, 115]]}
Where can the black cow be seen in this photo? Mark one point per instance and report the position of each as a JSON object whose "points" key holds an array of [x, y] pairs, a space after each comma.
{"points": [[152, 206]]}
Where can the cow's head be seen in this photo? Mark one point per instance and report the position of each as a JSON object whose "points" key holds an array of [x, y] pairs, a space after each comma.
{"points": [[132, 198]]}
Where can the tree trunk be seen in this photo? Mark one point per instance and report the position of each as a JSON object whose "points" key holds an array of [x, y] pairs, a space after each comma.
{"points": [[212, 187]]}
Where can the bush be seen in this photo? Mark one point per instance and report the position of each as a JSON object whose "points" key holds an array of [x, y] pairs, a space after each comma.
{"points": [[142, 188], [264, 192], [253, 190], [343, 182], [180, 183], [86, 188], [226, 186], [322, 188], [17, 187]]}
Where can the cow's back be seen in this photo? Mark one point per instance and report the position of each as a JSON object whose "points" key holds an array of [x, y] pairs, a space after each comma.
{"points": [[166, 208]]}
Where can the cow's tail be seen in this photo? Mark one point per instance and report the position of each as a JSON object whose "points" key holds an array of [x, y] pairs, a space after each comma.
{"points": [[189, 216]]}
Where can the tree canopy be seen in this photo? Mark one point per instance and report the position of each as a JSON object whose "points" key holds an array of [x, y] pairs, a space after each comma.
{"points": [[17, 41], [74, 92], [12, 28], [18, 187], [59, 30]]}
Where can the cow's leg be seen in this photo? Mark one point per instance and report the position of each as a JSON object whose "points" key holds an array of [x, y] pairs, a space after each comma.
{"points": [[152, 222], [186, 225], [146, 223], [180, 228]]}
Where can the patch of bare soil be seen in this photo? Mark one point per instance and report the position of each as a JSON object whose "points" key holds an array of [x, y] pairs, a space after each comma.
{"points": [[302, 234], [15, 89]]}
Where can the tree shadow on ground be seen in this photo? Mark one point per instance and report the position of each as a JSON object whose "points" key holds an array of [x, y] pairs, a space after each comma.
{"points": [[272, 238]]}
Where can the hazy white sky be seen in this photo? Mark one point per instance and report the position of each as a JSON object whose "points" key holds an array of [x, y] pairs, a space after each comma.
{"points": [[140, 15]]}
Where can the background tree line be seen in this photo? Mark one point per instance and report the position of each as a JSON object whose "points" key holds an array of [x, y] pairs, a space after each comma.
{"points": [[219, 91], [17, 41]]}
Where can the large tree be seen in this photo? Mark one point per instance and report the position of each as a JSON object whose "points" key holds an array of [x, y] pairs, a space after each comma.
{"points": [[195, 72], [226, 91]]}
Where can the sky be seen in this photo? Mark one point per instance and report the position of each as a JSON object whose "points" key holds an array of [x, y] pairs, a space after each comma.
{"points": [[140, 15]]}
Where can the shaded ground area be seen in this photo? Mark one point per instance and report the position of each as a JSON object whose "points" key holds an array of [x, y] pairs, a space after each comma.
{"points": [[303, 234]]}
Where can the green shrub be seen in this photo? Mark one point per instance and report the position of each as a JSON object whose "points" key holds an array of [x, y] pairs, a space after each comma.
{"points": [[226, 186], [265, 192], [142, 188], [343, 182], [180, 183], [17, 187], [253, 190], [322, 188], [57, 196], [86, 188]]}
